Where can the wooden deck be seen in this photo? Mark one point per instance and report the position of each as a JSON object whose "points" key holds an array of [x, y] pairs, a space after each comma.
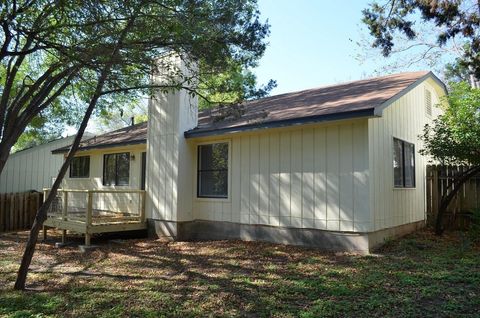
{"points": [[71, 212]]}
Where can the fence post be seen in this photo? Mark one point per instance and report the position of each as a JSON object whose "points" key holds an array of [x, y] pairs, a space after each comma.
{"points": [[89, 208], [435, 192], [28, 208], [65, 205], [428, 194], [26, 218], [12, 211], [88, 217], [64, 214], [20, 212], [45, 191]]}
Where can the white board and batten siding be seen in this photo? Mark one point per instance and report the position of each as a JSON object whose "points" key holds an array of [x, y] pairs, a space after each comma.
{"points": [[312, 177], [403, 119], [335, 176], [33, 168], [121, 202]]}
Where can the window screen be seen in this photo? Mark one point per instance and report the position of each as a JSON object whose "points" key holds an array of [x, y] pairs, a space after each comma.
{"points": [[80, 167], [116, 169], [212, 171], [403, 164]]}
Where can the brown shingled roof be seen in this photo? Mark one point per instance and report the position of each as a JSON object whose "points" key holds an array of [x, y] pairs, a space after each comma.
{"points": [[341, 101], [136, 134], [346, 100]]}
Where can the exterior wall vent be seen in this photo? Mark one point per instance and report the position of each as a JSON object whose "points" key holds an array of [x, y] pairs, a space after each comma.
{"points": [[428, 103]]}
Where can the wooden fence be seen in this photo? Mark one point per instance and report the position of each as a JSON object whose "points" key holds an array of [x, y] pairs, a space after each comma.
{"points": [[458, 215], [17, 210]]}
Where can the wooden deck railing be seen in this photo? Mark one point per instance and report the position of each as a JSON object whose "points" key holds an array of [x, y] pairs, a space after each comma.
{"points": [[96, 211], [91, 208]]}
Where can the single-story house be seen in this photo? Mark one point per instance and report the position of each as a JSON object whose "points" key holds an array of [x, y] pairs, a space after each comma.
{"points": [[336, 167]]}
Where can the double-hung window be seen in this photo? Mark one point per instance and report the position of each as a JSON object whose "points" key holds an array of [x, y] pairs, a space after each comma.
{"points": [[116, 169], [403, 164], [212, 170], [80, 167]]}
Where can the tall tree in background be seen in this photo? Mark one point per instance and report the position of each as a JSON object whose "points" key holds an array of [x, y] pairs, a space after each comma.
{"points": [[227, 86], [224, 88], [454, 26], [121, 115], [48, 125], [85, 55], [231, 85]]}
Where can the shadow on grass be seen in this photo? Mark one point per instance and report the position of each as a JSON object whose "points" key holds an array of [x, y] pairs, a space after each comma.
{"points": [[233, 278]]}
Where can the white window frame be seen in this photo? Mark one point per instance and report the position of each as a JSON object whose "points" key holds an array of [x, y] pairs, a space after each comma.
{"points": [[89, 168], [403, 187], [114, 186], [229, 173]]}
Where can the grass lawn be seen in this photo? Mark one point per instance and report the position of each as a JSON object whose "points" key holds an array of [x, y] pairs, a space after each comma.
{"points": [[420, 275]]}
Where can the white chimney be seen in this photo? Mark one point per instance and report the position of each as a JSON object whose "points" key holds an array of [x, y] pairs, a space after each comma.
{"points": [[169, 175]]}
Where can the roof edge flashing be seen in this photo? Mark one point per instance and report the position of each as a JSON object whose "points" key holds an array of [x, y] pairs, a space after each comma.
{"points": [[364, 113], [133, 143]]}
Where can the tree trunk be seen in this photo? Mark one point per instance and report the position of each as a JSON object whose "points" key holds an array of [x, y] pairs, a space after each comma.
{"points": [[41, 215], [6, 145], [3, 158], [447, 197], [42, 212]]}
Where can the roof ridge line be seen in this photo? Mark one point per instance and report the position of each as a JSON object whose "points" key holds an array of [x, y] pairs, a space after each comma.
{"points": [[316, 88]]}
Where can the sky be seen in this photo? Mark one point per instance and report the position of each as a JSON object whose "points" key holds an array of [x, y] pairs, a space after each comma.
{"points": [[312, 43]]}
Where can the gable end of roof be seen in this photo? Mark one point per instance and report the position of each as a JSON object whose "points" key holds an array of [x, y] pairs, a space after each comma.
{"points": [[379, 109]]}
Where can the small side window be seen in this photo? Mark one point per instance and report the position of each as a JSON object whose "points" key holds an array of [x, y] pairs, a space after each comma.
{"points": [[80, 167], [403, 164]]}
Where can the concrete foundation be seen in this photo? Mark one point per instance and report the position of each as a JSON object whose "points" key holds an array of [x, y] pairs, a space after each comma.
{"points": [[378, 238], [200, 230]]}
